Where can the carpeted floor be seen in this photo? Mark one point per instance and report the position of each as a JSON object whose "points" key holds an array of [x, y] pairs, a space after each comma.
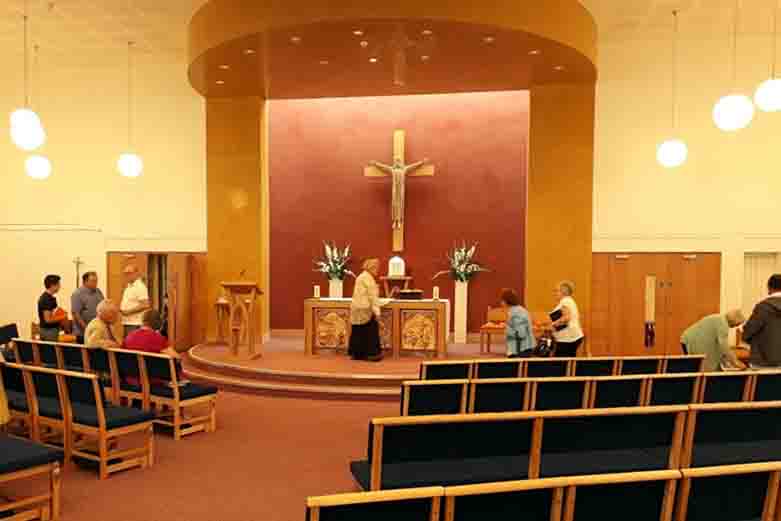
{"points": [[267, 456]]}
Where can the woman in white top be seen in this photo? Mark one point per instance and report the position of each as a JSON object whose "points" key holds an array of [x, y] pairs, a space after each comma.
{"points": [[566, 330], [364, 312]]}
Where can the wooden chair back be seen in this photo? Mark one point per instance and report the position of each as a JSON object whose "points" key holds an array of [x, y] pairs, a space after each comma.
{"points": [[497, 368], [416, 504], [422, 397], [673, 389], [496, 315], [549, 394], [618, 391], [500, 395], [446, 370], [724, 387]]}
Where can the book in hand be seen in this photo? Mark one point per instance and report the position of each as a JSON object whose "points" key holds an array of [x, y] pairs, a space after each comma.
{"points": [[554, 316]]}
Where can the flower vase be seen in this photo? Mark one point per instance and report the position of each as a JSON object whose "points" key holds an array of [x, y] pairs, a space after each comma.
{"points": [[335, 288], [461, 311]]}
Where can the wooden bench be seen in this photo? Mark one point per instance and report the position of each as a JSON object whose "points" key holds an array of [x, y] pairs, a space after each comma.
{"points": [[452, 450], [417, 504], [22, 460]]}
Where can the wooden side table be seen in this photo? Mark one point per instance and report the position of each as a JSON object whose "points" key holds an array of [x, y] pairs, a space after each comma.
{"points": [[389, 281]]}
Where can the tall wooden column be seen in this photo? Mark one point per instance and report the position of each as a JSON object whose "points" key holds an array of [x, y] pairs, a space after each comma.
{"points": [[237, 198]]}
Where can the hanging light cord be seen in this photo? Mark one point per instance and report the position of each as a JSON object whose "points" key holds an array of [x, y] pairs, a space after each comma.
{"points": [[26, 60], [129, 94], [675, 70], [735, 45], [775, 38]]}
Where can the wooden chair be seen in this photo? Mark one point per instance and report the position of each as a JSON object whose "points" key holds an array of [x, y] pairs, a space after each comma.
{"points": [[131, 381], [494, 325], [597, 366], [530, 499], [560, 393], [446, 370], [500, 395], [618, 391], [498, 368], [415, 504], [683, 364], [672, 389], [725, 387], [730, 493], [766, 386], [546, 367], [421, 397], [22, 460], [19, 400], [640, 365], [46, 406]]}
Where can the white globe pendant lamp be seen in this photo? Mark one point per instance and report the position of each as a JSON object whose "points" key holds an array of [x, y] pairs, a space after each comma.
{"points": [[129, 163], [768, 94], [673, 152], [38, 167], [26, 129], [734, 111]]}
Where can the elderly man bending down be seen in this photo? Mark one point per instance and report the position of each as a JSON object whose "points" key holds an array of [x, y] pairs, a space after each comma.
{"points": [[710, 337], [98, 332]]}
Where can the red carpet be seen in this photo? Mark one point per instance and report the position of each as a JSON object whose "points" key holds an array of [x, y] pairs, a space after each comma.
{"points": [[267, 456]]}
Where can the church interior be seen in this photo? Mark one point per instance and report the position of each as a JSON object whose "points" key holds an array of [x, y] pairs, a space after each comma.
{"points": [[325, 260]]}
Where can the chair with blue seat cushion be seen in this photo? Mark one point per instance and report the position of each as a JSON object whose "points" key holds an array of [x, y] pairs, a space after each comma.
{"points": [[546, 367], [446, 370], [7, 333], [13, 381], [730, 493], [25, 352], [22, 460], [496, 369], [420, 504], [74, 357], [767, 387], [445, 450], [501, 395], [640, 365], [49, 425], [673, 389], [530, 500], [684, 364], [595, 367], [595, 441], [617, 391], [643, 496], [131, 374], [725, 387], [49, 356], [171, 397], [422, 397], [560, 393], [92, 419], [733, 434]]}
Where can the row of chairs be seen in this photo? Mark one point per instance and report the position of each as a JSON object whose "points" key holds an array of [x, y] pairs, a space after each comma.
{"points": [[559, 367], [422, 397], [67, 410], [449, 450], [149, 379], [23, 461], [725, 493]]}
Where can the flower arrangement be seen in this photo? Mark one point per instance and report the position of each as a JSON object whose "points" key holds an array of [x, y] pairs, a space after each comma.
{"points": [[334, 263], [462, 264]]}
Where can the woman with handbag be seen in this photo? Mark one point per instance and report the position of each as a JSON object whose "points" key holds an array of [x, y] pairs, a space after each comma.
{"points": [[566, 324], [518, 329]]}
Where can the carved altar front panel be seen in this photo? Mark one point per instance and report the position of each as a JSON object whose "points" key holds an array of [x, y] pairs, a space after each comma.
{"points": [[418, 330], [332, 328], [386, 328]]}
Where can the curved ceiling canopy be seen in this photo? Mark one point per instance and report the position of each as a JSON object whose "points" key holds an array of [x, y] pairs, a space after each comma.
{"points": [[319, 48]]}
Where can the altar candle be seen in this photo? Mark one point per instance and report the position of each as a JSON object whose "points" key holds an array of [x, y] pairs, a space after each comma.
{"points": [[317, 291], [436, 292]]}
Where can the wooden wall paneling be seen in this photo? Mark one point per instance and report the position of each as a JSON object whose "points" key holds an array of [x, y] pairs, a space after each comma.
{"points": [[599, 330], [179, 298], [199, 298]]}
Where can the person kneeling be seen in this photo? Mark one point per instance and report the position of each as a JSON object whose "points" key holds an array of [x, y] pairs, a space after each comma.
{"points": [[518, 331]]}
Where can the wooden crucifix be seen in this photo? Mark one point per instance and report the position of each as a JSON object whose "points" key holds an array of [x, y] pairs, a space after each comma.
{"points": [[398, 171]]}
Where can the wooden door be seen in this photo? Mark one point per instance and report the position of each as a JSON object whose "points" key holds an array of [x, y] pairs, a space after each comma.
{"points": [[178, 288], [693, 291], [599, 331], [199, 298]]}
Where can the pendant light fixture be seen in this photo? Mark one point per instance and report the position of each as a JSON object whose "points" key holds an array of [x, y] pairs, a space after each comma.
{"points": [[768, 94], [26, 129], [130, 163], [734, 111], [673, 152]]}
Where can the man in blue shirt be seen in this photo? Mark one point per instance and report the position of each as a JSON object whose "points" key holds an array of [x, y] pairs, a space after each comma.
{"points": [[84, 304]]}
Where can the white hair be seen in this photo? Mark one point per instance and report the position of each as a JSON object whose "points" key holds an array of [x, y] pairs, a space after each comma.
{"points": [[735, 317], [106, 306]]}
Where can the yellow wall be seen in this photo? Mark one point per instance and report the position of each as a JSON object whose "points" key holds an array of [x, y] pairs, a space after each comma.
{"points": [[558, 225], [86, 208], [725, 198]]}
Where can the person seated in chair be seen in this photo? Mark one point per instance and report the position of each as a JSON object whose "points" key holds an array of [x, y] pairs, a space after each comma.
{"points": [[710, 337], [149, 340], [98, 332], [518, 331]]}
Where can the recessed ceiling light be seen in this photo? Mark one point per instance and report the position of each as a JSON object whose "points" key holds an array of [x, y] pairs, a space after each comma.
{"points": [[220, 82], [425, 58], [295, 39], [373, 60], [249, 51], [324, 62], [534, 52], [427, 32], [358, 32], [225, 66], [364, 44], [559, 67], [489, 39]]}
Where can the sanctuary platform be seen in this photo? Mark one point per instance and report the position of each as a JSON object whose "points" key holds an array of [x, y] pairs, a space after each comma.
{"points": [[286, 370]]}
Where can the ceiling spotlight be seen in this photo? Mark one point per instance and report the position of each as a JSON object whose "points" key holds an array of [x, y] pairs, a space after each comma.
{"points": [[535, 52], [324, 62], [373, 60], [427, 32], [225, 66], [295, 39], [489, 39], [220, 82], [249, 51], [358, 32], [425, 58], [364, 44]]}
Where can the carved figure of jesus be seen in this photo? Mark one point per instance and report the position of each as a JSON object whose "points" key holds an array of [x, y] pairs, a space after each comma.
{"points": [[398, 172]]}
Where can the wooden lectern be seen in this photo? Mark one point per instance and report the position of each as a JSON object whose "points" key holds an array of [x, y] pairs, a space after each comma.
{"points": [[242, 297]]}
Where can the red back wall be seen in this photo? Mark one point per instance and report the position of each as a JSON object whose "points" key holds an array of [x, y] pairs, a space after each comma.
{"points": [[318, 148]]}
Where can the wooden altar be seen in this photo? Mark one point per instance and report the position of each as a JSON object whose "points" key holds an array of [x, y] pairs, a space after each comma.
{"points": [[405, 325]]}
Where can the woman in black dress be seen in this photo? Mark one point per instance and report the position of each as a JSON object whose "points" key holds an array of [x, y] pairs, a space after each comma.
{"points": [[364, 312]]}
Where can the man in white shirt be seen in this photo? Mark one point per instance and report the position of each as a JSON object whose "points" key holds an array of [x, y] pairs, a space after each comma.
{"points": [[135, 300]]}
